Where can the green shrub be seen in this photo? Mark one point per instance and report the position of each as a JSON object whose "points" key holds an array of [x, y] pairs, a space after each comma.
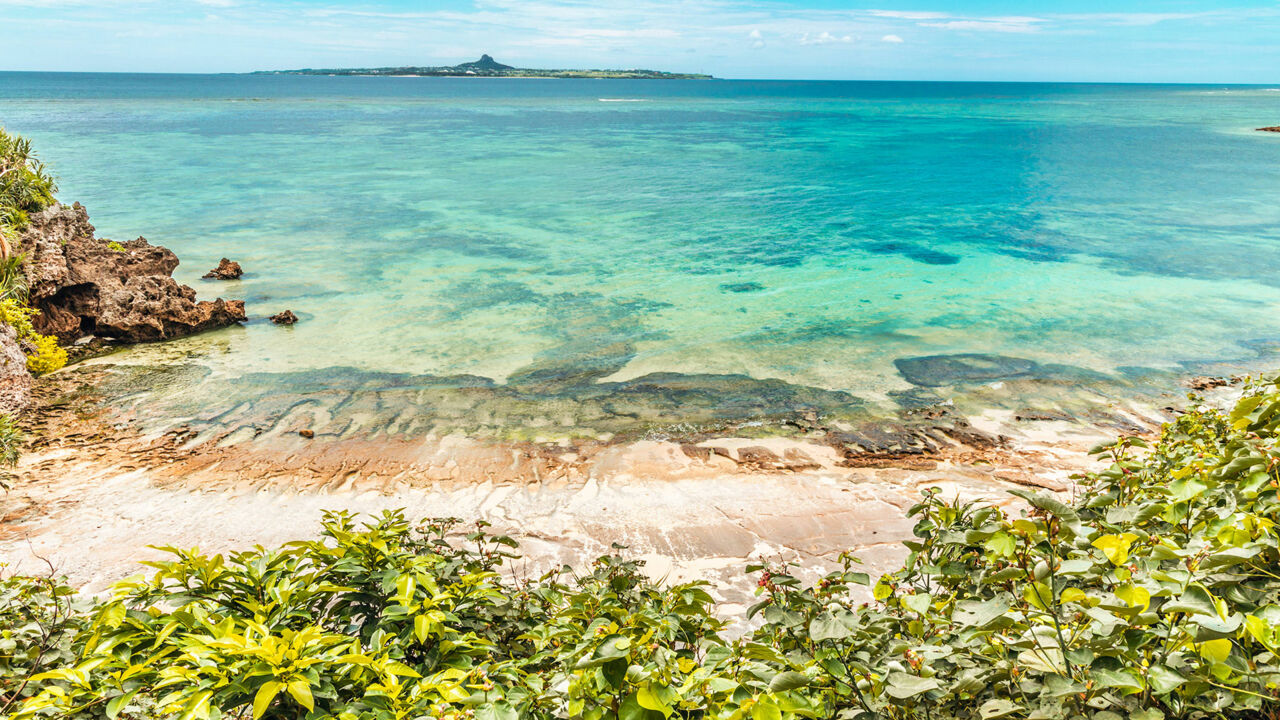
{"points": [[13, 278], [115, 246], [1154, 594], [46, 354], [25, 185], [11, 440], [40, 620]]}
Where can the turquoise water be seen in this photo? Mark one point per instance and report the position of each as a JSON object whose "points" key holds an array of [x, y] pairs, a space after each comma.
{"points": [[478, 245]]}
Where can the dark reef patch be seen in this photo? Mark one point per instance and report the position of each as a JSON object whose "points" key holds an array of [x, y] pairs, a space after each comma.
{"points": [[914, 252], [742, 287], [939, 370], [967, 368]]}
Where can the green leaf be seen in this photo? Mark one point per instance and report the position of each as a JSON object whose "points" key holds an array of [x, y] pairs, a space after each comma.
{"points": [[1119, 679], [1195, 600], [918, 603], [1048, 660], [649, 697], [827, 627], [1049, 504], [1229, 556], [496, 711], [1187, 488], [119, 702], [1077, 566], [766, 709], [262, 699], [630, 709], [980, 614], [1002, 544], [1216, 651], [612, 648], [789, 680], [1115, 547], [197, 706], [999, 708], [1134, 596], [1164, 680], [904, 686], [300, 690], [1210, 627]]}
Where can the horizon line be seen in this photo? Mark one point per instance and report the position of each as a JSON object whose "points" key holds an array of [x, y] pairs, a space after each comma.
{"points": [[293, 73]]}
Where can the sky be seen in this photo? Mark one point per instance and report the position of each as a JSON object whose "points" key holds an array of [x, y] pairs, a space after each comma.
{"points": [[1083, 40]]}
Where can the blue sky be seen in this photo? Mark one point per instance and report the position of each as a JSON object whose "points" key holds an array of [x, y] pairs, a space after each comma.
{"points": [[1087, 40]]}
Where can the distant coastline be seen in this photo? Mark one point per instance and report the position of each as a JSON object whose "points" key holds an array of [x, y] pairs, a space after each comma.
{"points": [[487, 67]]}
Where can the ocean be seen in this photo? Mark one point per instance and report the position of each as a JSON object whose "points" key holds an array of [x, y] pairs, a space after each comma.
{"points": [[537, 259]]}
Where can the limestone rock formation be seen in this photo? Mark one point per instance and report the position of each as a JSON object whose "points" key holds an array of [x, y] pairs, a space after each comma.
{"points": [[285, 318], [84, 285], [226, 270], [15, 381], [1275, 129]]}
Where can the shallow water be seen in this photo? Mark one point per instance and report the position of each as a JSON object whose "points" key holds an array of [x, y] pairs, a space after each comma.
{"points": [[554, 260]]}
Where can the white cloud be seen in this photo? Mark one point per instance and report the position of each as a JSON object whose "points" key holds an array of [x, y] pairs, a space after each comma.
{"points": [[1132, 19], [824, 38], [756, 38], [1001, 25], [908, 15], [891, 39]]}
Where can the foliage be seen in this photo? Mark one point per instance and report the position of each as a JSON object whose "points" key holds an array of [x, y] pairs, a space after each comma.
{"points": [[25, 185], [13, 278], [1154, 594], [115, 246], [11, 440], [39, 621], [44, 355]]}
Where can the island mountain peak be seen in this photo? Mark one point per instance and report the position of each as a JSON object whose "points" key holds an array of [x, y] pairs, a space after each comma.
{"points": [[486, 62]]}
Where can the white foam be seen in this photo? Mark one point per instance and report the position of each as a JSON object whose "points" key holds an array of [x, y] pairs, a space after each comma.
{"points": [[622, 100]]}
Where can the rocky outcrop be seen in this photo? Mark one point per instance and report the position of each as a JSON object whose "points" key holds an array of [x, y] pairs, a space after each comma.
{"points": [[1275, 129], [84, 285], [285, 318], [15, 381], [226, 270]]}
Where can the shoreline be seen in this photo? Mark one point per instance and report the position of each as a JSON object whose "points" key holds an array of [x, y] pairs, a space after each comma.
{"points": [[94, 494]]}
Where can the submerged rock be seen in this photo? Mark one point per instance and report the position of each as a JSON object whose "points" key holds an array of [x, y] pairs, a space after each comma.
{"points": [[285, 318], [15, 381], [226, 270], [83, 285], [939, 370], [1201, 383]]}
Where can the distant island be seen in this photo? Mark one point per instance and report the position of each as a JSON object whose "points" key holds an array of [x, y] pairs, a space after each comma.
{"points": [[486, 66]]}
